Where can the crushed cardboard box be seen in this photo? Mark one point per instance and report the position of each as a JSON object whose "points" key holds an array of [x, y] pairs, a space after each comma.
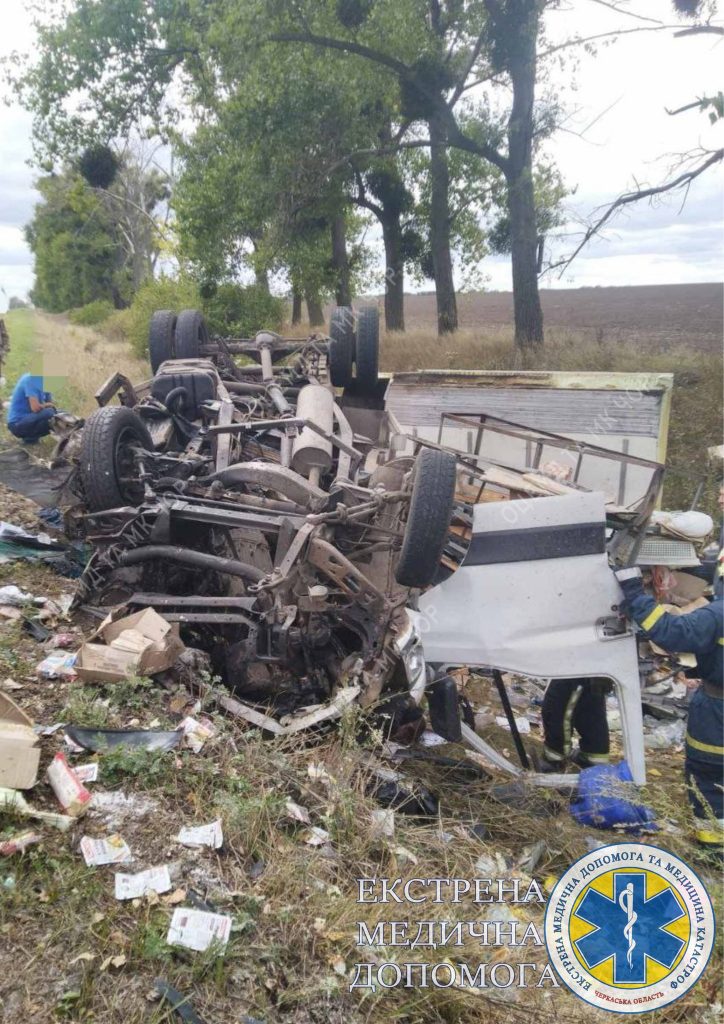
{"points": [[19, 753], [140, 644]]}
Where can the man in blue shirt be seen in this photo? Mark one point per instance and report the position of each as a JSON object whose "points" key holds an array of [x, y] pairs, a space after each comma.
{"points": [[31, 409]]}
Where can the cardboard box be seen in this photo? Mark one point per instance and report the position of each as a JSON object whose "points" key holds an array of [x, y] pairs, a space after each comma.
{"points": [[141, 644], [19, 753]]}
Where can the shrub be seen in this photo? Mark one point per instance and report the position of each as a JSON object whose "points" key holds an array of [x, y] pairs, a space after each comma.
{"points": [[118, 325], [241, 312], [92, 313]]}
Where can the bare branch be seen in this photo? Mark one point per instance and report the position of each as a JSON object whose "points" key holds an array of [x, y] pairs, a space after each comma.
{"points": [[474, 54], [629, 14], [683, 180], [581, 41], [680, 110], [377, 56]]}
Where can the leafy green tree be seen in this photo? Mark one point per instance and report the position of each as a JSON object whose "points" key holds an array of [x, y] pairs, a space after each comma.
{"points": [[78, 258]]}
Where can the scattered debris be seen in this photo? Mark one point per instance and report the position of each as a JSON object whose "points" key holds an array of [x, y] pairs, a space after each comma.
{"points": [[316, 836], [112, 850], [198, 929], [297, 813], [19, 752], [180, 1004], [117, 806], [141, 644], [383, 823], [98, 740], [132, 887], [604, 799], [58, 666], [12, 800], [87, 772], [17, 598], [196, 733], [19, 843], [202, 835], [72, 795]]}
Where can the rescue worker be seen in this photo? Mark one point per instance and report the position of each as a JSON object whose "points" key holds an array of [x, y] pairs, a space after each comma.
{"points": [[699, 633], [31, 409], [578, 704]]}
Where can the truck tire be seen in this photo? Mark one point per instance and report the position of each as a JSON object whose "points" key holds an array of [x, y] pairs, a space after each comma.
{"points": [[105, 459], [428, 523], [190, 334], [161, 337], [341, 346], [367, 349]]}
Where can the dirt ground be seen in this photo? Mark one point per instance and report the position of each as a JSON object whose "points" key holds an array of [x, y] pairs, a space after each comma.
{"points": [[681, 313]]}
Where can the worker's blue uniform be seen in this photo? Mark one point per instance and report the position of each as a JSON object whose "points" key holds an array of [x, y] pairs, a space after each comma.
{"points": [[22, 421], [700, 633]]}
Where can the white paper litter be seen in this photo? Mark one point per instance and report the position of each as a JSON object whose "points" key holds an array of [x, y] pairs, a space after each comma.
{"points": [[132, 887], [383, 823], [197, 929], [202, 835], [316, 836], [522, 723], [112, 850], [298, 813], [196, 733], [87, 772], [432, 739]]}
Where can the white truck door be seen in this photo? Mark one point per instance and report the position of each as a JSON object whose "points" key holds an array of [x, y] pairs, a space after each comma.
{"points": [[535, 595]]}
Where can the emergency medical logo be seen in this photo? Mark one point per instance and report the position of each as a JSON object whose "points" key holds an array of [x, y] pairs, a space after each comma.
{"points": [[629, 928]]}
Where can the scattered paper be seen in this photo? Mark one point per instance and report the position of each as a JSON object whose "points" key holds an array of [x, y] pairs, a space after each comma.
{"points": [[71, 794], [87, 772], [202, 835], [112, 850], [18, 843], [297, 813], [432, 739], [10, 684], [197, 929], [113, 961], [522, 723], [196, 732], [132, 887], [316, 836], [383, 823]]}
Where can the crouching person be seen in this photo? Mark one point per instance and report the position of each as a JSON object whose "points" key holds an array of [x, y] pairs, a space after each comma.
{"points": [[698, 633], [31, 409]]}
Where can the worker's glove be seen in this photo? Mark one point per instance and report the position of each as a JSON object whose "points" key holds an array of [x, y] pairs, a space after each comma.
{"points": [[629, 580]]}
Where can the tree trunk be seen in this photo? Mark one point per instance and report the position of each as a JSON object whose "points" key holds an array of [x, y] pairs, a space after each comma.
{"points": [[261, 276], [394, 274], [447, 311], [519, 177], [340, 262], [296, 306], [314, 310]]}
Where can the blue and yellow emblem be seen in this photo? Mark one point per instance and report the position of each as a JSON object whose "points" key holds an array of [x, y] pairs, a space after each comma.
{"points": [[629, 928]]}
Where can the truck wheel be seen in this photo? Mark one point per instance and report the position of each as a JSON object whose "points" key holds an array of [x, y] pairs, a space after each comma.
{"points": [[341, 347], [367, 351], [428, 523], [161, 337], [107, 468], [191, 334]]}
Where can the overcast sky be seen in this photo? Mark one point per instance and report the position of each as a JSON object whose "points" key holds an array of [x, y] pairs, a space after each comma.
{"points": [[624, 89]]}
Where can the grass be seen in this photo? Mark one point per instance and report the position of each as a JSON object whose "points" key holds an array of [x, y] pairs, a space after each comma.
{"points": [[293, 906]]}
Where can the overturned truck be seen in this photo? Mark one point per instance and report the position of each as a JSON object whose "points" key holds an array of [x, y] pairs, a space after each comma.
{"points": [[277, 511]]}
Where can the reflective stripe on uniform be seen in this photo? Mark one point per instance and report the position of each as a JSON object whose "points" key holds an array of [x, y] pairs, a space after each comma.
{"points": [[721, 640], [654, 617], [552, 755], [708, 748], [709, 838], [594, 758], [568, 719]]}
